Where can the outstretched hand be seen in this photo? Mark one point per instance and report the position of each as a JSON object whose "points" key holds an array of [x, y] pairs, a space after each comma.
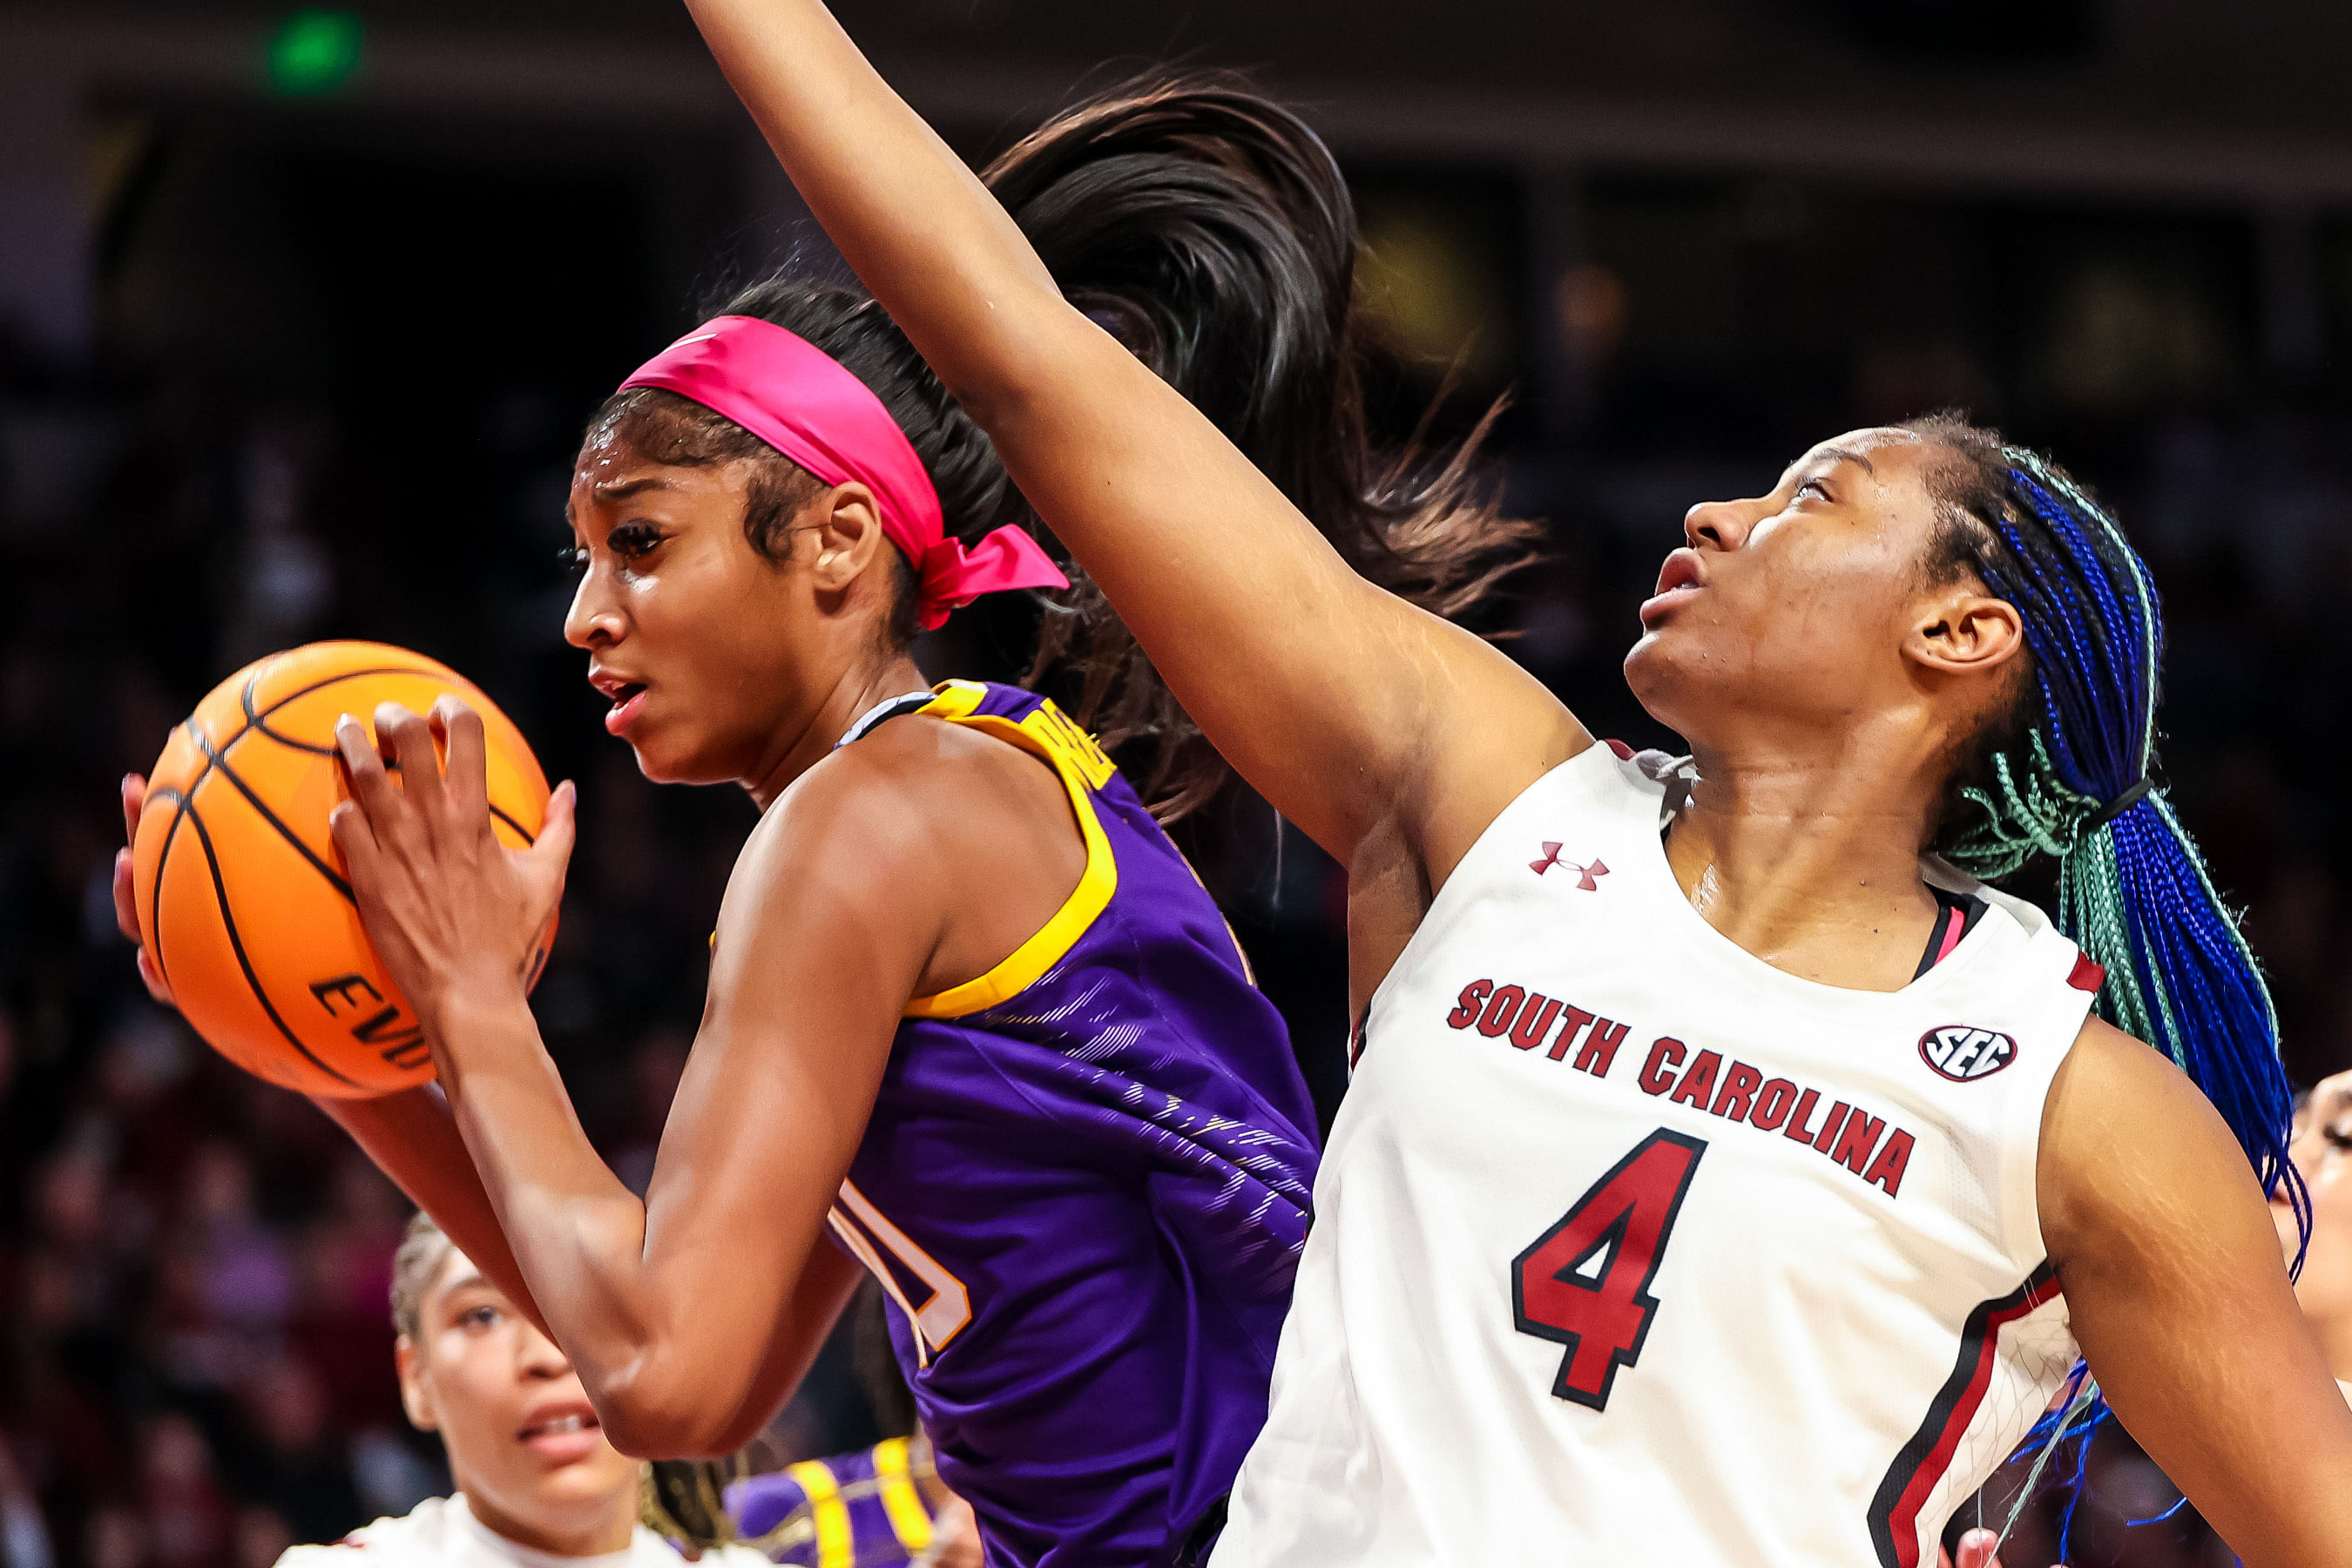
{"points": [[452, 912]]}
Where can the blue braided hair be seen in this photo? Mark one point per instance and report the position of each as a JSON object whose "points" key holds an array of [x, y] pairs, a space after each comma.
{"points": [[2070, 773]]}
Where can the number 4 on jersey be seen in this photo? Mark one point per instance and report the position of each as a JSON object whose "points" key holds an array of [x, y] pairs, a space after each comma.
{"points": [[1585, 1283]]}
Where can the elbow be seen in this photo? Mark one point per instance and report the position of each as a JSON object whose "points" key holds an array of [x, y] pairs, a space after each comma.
{"points": [[648, 1413]]}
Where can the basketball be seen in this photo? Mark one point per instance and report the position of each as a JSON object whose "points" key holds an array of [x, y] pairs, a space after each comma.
{"points": [[242, 901]]}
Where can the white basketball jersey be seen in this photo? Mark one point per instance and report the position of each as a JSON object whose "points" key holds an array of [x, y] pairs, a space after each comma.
{"points": [[1631, 1248]]}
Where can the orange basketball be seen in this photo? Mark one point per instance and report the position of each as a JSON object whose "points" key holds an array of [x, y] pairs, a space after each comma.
{"points": [[242, 905]]}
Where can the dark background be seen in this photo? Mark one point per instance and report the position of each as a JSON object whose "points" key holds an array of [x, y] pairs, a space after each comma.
{"points": [[278, 364]]}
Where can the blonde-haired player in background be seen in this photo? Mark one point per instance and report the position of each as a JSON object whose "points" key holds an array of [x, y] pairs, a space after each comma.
{"points": [[537, 1483]]}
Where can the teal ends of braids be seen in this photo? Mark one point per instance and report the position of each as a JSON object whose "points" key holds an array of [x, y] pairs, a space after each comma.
{"points": [[2091, 911], [2028, 813], [2133, 890]]}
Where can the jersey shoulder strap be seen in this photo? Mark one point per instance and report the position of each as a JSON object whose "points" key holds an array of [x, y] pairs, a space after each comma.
{"points": [[1032, 723], [1025, 719]]}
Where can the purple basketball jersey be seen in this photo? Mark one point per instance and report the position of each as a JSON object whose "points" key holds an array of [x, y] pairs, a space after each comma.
{"points": [[1083, 1188]]}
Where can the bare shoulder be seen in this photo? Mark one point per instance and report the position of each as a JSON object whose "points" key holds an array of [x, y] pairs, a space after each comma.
{"points": [[2106, 1066], [899, 796], [927, 777], [2128, 1141], [947, 847]]}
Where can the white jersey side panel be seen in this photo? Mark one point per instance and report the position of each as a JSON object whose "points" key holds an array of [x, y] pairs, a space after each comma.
{"points": [[1630, 1247]]}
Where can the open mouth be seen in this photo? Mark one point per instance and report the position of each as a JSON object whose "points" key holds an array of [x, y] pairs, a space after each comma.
{"points": [[565, 1433], [1680, 570], [1681, 577], [628, 701]]}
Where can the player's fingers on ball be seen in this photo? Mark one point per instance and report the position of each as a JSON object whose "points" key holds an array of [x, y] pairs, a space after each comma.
{"points": [[153, 980], [126, 901], [363, 772], [354, 832], [560, 829], [549, 858], [406, 742], [362, 765], [134, 798], [460, 729]]}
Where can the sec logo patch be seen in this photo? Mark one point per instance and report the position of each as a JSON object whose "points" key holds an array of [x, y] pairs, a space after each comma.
{"points": [[1962, 1052]]}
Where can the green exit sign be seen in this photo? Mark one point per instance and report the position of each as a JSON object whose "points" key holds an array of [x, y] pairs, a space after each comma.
{"points": [[314, 52]]}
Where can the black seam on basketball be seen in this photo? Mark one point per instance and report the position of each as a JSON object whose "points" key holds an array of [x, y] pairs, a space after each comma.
{"points": [[288, 741], [528, 836], [236, 945], [284, 831], [510, 822], [186, 799], [260, 721], [256, 717], [163, 858]]}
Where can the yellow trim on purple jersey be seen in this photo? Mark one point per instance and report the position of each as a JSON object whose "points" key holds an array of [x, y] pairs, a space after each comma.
{"points": [[1047, 733], [909, 1519], [836, 1546]]}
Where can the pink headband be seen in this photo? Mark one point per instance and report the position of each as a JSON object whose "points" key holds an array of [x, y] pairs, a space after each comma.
{"points": [[798, 399]]}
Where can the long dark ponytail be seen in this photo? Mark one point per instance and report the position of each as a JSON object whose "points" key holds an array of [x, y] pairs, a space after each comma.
{"points": [[1211, 232]]}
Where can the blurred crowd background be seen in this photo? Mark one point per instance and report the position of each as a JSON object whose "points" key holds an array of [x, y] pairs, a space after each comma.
{"points": [[301, 313]]}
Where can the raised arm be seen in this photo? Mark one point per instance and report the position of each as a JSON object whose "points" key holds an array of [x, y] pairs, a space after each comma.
{"points": [[1361, 718], [2179, 1296]]}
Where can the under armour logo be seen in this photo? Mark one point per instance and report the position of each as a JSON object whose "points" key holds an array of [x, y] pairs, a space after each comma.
{"points": [[1584, 874]]}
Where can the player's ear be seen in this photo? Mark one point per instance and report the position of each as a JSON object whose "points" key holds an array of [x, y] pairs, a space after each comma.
{"points": [[1962, 630], [847, 526], [415, 1385]]}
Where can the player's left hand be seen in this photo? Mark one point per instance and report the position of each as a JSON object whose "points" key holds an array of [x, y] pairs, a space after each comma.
{"points": [[452, 912]]}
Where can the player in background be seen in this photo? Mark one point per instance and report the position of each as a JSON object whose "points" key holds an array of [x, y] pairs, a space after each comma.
{"points": [[2323, 1154], [1868, 1172], [536, 1481], [970, 1013]]}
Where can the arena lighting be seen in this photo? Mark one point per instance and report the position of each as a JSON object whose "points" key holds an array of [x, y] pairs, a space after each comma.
{"points": [[314, 52]]}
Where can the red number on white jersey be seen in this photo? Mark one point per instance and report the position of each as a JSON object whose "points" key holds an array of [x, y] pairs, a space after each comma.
{"points": [[1585, 1283]]}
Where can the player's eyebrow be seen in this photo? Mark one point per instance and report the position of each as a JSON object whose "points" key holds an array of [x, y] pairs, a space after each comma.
{"points": [[1846, 455], [622, 490], [1829, 455]]}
